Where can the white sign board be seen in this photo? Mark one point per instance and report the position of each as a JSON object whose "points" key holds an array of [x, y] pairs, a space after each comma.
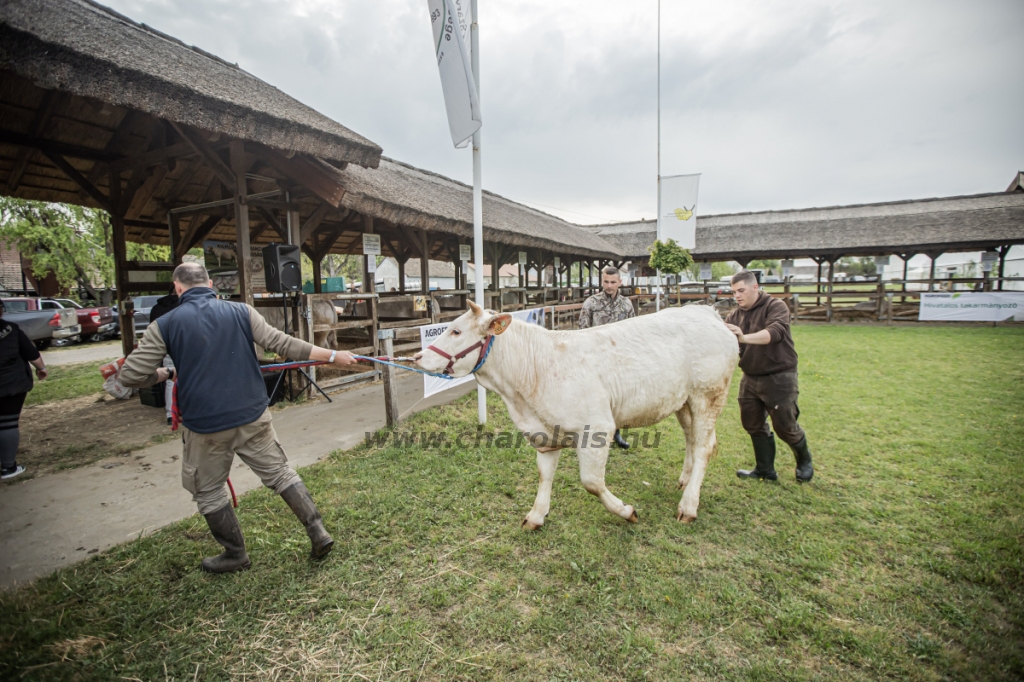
{"points": [[705, 271], [371, 265], [465, 252], [556, 262], [371, 244], [988, 260], [989, 306], [678, 201], [522, 258], [430, 332]]}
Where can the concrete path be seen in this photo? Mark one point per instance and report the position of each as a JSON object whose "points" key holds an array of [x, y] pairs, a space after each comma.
{"points": [[59, 519], [88, 352]]}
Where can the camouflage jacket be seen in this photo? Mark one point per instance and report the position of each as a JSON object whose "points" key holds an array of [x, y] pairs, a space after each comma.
{"points": [[603, 309]]}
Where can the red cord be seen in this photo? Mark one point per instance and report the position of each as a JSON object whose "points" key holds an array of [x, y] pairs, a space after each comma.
{"points": [[234, 500]]}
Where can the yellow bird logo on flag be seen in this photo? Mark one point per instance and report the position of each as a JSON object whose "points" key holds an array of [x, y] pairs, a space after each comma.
{"points": [[684, 213]]}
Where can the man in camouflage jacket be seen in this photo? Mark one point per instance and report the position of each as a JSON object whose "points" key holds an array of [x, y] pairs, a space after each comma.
{"points": [[604, 308], [607, 306]]}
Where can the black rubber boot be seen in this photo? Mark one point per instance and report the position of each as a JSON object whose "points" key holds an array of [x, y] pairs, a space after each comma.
{"points": [[804, 469], [764, 456], [301, 502], [620, 441], [224, 526]]}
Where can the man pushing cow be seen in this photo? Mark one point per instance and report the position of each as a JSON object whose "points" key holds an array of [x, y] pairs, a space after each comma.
{"points": [[223, 403], [769, 386]]}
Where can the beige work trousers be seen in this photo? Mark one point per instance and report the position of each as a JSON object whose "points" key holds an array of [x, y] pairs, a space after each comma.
{"points": [[208, 457]]}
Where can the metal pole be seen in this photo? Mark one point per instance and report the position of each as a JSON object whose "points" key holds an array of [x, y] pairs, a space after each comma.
{"points": [[478, 213], [657, 297]]}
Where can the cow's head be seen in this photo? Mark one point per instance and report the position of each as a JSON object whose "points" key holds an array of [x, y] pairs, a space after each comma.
{"points": [[464, 336]]}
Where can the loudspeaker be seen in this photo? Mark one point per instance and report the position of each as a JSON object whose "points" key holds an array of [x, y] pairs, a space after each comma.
{"points": [[282, 268]]}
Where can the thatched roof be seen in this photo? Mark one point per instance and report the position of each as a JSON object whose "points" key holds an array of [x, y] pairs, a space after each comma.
{"points": [[403, 194], [968, 223], [89, 50]]}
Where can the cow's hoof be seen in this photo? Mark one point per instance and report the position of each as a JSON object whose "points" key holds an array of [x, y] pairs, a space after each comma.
{"points": [[633, 518], [682, 517], [530, 525]]}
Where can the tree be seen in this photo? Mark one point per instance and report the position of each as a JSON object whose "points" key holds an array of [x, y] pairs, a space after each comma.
{"points": [[72, 242], [718, 271], [768, 266], [865, 265], [669, 257]]}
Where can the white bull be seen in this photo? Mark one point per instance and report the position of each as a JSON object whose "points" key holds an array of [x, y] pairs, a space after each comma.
{"points": [[323, 313], [633, 373]]}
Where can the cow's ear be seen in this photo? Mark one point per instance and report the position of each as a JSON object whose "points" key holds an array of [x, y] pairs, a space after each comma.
{"points": [[499, 323], [477, 310]]}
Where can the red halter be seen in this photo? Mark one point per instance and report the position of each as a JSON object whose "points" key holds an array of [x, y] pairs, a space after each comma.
{"points": [[483, 344]]}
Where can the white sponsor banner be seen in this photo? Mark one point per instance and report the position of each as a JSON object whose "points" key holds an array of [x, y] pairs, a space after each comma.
{"points": [[450, 22], [430, 332], [988, 306], [678, 219]]}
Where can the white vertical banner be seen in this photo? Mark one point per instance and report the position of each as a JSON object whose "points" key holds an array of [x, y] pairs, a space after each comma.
{"points": [[678, 215], [450, 22]]}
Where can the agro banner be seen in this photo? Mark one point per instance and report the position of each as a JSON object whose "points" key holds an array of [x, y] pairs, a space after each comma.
{"points": [[678, 219], [987, 306], [430, 332], [450, 21]]}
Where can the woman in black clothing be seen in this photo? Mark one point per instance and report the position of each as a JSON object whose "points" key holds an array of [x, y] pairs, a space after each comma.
{"points": [[16, 352]]}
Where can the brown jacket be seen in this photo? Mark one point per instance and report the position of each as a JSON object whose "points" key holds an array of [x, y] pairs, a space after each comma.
{"points": [[779, 355]]}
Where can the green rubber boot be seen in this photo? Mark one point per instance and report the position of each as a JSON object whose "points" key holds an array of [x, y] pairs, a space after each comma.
{"points": [[804, 468], [224, 526], [764, 456]]}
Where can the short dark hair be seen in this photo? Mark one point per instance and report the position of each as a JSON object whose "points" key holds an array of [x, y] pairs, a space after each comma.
{"points": [[611, 270], [744, 276], [191, 275]]}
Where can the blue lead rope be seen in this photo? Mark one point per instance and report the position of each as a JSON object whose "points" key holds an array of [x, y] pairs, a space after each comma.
{"points": [[409, 369]]}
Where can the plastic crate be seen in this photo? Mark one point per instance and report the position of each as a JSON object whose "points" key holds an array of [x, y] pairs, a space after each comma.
{"points": [[153, 396]]}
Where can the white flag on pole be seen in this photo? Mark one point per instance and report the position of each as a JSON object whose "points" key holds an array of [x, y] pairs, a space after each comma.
{"points": [[450, 20], [678, 219]]}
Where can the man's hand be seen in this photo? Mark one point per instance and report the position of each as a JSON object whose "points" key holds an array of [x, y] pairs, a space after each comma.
{"points": [[163, 374], [41, 373], [736, 331], [344, 359]]}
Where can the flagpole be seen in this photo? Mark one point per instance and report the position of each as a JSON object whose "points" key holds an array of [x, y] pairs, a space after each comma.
{"points": [[657, 224], [478, 213]]}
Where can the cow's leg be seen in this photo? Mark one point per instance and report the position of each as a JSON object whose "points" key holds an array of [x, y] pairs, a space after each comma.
{"points": [[547, 462], [592, 463], [704, 413], [685, 419]]}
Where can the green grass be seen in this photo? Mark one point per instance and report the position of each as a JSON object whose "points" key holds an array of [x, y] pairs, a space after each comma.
{"points": [[901, 560], [67, 381]]}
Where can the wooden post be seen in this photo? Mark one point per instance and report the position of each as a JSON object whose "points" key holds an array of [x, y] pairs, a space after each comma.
{"points": [[236, 150], [401, 273], [174, 237], [317, 273], [386, 338], [368, 277], [931, 272], [424, 262], [127, 308], [888, 305], [1003, 250], [831, 282], [294, 227]]}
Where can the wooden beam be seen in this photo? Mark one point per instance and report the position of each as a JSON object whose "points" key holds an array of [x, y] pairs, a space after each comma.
{"points": [[367, 275], [321, 178], [313, 222], [182, 182], [145, 192], [153, 157], [80, 180], [223, 173], [74, 151], [273, 222], [425, 262], [412, 240], [237, 152], [43, 116]]}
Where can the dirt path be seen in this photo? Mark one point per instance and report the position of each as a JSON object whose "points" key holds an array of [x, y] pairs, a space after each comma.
{"points": [[68, 433], [58, 519], [88, 352]]}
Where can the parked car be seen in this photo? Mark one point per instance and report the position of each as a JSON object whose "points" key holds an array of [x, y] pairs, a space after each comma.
{"points": [[97, 323], [143, 306], [42, 327]]}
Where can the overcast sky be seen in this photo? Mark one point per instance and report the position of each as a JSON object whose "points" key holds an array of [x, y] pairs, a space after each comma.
{"points": [[779, 104]]}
